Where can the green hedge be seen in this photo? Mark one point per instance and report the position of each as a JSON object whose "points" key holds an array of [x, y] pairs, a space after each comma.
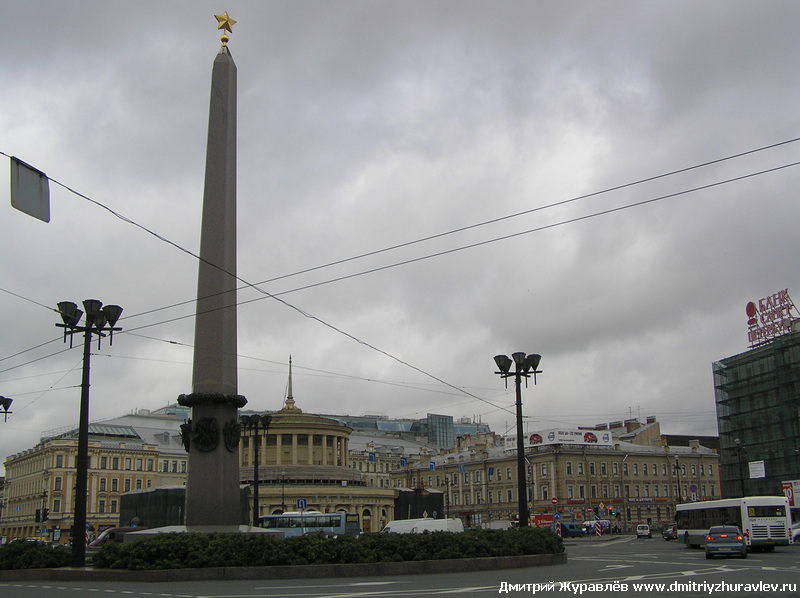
{"points": [[178, 551], [24, 554]]}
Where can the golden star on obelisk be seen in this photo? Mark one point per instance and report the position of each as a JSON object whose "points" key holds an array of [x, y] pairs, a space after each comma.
{"points": [[226, 23]]}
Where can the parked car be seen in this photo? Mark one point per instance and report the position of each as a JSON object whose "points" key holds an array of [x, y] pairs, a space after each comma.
{"points": [[643, 531], [570, 530], [796, 531], [726, 540], [670, 531]]}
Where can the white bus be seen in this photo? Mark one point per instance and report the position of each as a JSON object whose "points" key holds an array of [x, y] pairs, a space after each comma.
{"points": [[313, 522], [765, 521]]}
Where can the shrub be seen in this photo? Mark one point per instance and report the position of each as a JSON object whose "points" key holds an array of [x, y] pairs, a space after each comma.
{"points": [[25, 554], [173, 551]]}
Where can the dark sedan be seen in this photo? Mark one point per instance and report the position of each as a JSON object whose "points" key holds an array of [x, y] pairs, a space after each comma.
{"points": [[725, 540]]}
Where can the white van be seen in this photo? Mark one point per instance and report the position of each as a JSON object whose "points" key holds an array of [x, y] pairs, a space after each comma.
{"points": [[417, 526]]}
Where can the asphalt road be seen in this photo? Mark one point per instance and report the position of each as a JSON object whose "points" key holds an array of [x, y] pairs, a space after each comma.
{"points": [[624, 567]]}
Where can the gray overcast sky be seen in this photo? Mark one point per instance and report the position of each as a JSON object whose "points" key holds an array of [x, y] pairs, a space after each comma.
{"points": [[369, 124]]}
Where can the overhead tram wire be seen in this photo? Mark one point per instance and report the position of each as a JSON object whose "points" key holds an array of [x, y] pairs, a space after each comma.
{"points": [[397, 359], [490, 241], [488, 222]]}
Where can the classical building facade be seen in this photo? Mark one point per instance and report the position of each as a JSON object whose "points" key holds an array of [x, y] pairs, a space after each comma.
{"points": [[306, 457], [623, 481], [129, 453]]}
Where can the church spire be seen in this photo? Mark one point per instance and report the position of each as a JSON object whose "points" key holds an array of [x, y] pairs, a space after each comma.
{"points": [[289, 398]]}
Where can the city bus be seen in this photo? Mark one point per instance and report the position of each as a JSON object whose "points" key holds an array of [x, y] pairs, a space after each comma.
{"points": [[765, 521], [313, 522]]}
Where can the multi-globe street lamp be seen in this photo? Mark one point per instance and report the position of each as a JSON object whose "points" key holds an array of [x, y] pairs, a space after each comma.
{"points": [[254, 422], [525, 367], [100, 320], [5, 403]]}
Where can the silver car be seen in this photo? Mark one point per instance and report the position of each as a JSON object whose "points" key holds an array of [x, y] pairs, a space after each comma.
{"points": [[725, 540]]}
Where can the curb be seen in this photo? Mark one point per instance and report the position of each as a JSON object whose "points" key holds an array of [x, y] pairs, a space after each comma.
{"points": [[288, 571]]}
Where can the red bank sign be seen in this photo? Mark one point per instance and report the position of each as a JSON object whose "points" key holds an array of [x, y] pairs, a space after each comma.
{"points": [[769, 317]]}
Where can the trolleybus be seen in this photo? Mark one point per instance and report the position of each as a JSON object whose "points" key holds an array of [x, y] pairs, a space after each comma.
{"points": [[765, 521], [311, 522]]}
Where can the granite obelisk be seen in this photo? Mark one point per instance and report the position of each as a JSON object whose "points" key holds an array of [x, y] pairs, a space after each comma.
{"points": [[212, 434]]}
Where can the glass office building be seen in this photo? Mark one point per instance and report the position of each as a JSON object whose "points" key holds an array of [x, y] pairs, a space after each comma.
{"points": [[757, 396]]}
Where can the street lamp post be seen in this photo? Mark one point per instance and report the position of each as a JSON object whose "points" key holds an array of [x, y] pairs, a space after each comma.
{"points": [[525, 366], [99, 320], [283, 494], [678, 473], [739, 450], [253, 422]]}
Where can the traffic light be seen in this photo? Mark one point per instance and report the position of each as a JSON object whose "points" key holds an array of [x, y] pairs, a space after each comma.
{"points": [[45, 514], [610, 511], [38, 515]]}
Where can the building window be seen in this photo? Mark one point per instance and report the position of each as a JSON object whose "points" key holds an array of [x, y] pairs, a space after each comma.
{"points": [[102, 484], [103, 462], [499, 496], [115, 463], [655, 490], [569, 467], [616, 490], [644, 469], [593, 490], [57, 485], [114, 485], [508, 473], [701, 469], [647, 490], [570, 491], [625, 468], [545, 494], [101, 506], [710, 473], [605, 490], [603, 468], [113, 506], [139, 484], [663, 469], [636, 491], [127, 463], [615, 468], [694, 469], [499, 474], [127, 485], [138, 465], [57, 506], [544, 469], [635, 469], [591, 468], [580, 467], [510, 496], [59, 460], [582, 491]]}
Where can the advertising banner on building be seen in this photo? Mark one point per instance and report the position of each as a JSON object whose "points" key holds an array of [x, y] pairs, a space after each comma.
{"points": [[564, 436]]}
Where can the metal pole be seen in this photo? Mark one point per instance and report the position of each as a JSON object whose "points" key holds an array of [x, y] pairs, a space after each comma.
{"points": [[82, 462], [522, 489], [255, 479]]}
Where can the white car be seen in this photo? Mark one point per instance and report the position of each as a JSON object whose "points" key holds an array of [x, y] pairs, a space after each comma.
{"points": [[643, 531]]}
